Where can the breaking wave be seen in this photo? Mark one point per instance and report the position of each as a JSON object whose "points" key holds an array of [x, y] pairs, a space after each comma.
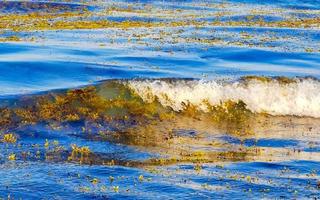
{"points": [[298, 97]]}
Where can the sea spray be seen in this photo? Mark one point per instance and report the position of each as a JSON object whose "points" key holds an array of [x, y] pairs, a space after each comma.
{"points": [[299, 97]]}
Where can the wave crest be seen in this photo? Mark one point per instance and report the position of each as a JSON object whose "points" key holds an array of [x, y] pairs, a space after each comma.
{"points": [[299, 97]]}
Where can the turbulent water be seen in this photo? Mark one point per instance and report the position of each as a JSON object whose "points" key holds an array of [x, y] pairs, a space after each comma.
{"points": [[160, 99], [301, 98]]}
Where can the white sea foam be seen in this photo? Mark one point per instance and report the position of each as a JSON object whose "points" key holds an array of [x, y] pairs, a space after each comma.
{"points": [[301, 98]]}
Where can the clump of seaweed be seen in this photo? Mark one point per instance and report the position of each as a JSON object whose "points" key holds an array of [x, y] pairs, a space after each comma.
{"points": [[264, 79], [12, 157], [9, 138], [229, 112], [5, 118], [190, 110], [12, 38], [80, 154]]}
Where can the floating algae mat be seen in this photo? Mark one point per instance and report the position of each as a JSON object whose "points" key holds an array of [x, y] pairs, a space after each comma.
{"points": [[160, 100]]}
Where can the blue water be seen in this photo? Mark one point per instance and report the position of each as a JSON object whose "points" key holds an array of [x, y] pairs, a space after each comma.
{"points": [[67, 59]]}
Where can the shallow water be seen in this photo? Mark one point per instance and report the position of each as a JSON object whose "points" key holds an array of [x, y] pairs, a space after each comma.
{"points": [[139, 150]]}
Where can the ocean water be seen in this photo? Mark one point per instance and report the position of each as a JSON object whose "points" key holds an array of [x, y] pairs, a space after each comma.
{"points": [[191, 99]]}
